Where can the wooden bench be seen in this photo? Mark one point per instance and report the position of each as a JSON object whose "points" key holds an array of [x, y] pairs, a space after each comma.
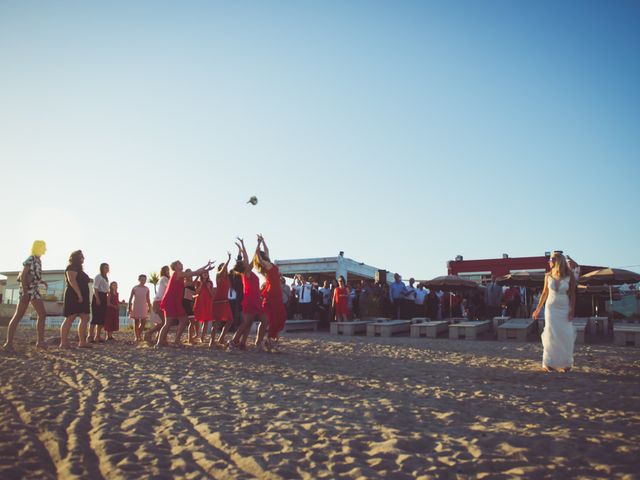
{"points": [[516, 329], [580, 325], [429, 329], [299, 325], [386, 328], [626, 334], [468, 330], [349, 328]]}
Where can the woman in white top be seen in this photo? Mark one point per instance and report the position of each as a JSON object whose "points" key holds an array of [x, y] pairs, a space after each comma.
{"points": [[158, 313], [559, 300], [99, 304]]}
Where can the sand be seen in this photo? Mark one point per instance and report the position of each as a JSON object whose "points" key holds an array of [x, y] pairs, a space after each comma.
{"points": [[324, 407]]}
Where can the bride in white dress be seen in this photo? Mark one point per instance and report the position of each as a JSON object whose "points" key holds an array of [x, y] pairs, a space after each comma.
{"points": [[559, 300]]}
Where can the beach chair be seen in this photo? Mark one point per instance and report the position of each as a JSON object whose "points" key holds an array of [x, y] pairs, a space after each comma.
{"points": [[468, 330], [516, 329]]}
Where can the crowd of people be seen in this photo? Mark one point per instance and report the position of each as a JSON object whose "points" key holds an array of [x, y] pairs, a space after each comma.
{"points": [[183, 298], [188, 299]]}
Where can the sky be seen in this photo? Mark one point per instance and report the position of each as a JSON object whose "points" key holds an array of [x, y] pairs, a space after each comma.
{"points": [[402, 133]]}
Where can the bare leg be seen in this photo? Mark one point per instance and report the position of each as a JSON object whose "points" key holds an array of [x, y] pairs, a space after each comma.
{"points": [[42, 315], [21, 309], [64, 331], [92, 333], [182, 324], [156, 328], [262, 329], [82, 330], [164, 330], [244, 326], [143, 324], [98, 336], [205, 328], [223, 332], [192, 331]]}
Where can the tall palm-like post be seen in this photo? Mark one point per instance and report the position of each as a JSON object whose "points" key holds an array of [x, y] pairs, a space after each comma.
{"points": [[154, 279]]}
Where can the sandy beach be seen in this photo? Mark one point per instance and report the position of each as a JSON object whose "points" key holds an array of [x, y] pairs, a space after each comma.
{"points": [[324, 407]]}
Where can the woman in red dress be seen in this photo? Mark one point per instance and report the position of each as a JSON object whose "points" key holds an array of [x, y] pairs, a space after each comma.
{"points": [[251, 305], [172, 304], [112, 318], [341, 301], [203, 306], [221, 311], [272, 304]]}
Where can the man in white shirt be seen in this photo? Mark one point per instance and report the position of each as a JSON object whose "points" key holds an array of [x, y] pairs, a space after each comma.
{"points": [[421, 295], [303, 290]]}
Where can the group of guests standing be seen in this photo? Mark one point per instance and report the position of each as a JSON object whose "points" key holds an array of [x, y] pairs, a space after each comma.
{"points": [[184, 297]]}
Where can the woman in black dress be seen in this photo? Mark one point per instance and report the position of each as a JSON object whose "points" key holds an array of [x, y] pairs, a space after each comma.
{"points": [[76, 301]]}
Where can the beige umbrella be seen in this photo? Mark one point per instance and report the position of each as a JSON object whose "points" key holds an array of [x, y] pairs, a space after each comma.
{"points": [[609, 277]]}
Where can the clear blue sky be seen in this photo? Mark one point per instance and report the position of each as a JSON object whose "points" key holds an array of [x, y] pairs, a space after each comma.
{"points": [[403, 133]]}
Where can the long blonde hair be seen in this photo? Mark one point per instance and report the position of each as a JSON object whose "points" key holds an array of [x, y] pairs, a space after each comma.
{"points": [[560, 267]]}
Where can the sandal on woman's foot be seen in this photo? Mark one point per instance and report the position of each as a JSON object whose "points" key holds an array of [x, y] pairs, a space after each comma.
{"points": [[548, 369]]}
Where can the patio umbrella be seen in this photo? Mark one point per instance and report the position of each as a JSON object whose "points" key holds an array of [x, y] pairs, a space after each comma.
{"points": [[451, 283], [609, 277]]}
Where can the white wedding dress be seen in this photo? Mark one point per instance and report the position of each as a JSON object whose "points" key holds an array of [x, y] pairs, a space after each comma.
{"points": [[558, 336]]}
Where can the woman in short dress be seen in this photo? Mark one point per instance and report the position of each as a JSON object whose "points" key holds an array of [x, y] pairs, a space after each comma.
{"points": [[187, 302], [139, 307], [251, 305], [99, 303], [30, 279], [112, 317], [76, 300], [272, 304], [158, 313], [222, 313], [202, 307], [559, 301], [341, 301], [172, 302]]}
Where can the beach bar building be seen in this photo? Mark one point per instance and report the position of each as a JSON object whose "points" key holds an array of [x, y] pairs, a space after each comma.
{"points": [[482, 270], [330, 268]]}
